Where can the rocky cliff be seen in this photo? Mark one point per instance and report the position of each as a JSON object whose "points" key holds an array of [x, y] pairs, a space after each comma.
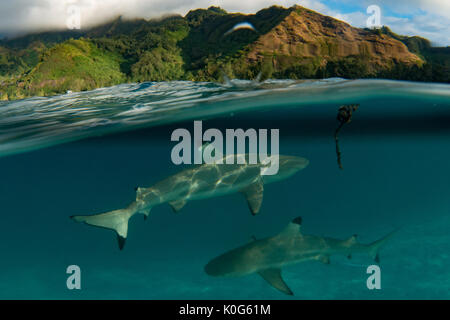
{"points": [[291, 42]]}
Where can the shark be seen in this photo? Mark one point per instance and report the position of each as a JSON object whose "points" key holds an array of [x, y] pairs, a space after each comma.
{"points": [[198, 182], [267, 256]]}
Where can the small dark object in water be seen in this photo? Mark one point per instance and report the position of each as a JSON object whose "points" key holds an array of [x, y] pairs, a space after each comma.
{"points": [[344, 116]]}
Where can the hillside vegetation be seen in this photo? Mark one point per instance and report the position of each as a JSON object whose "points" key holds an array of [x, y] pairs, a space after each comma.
{"points": [[292, 43]]}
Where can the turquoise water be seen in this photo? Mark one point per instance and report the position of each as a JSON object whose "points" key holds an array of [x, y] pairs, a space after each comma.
{"points": [[85, 153]]}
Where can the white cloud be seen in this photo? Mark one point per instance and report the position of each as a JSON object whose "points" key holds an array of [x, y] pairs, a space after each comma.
{"points": [[430, 17], [434, 28], [437, 7]]}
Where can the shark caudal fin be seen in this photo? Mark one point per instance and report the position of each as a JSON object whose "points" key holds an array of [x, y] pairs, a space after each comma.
{"points": [[374, 247], [116, 220]]}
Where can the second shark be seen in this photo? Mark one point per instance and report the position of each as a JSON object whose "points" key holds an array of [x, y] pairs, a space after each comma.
{"points": [[290, 246]]}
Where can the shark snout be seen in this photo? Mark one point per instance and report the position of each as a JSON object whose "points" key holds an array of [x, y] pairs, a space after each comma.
{"points": [[221, 266], [293, 163], [300, 163], [211, 269]]}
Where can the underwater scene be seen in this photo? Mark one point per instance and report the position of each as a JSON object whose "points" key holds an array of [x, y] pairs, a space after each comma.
{"points": [[361, 188]]}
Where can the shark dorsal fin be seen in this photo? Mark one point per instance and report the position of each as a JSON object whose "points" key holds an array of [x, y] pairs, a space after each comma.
{"points": [[293, 228], [273, 277], [254, 195], [139, 191], [177, 205]]}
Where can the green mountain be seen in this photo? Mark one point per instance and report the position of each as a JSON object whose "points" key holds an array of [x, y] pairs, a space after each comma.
{"points": [[288, 43]]}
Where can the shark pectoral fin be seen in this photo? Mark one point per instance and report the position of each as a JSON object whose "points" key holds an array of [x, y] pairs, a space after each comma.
{"points": [[273, 277], [254, 195], [177, 205]]}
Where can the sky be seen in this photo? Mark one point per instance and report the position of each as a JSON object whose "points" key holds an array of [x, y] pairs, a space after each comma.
{"points": [[426, 18]]}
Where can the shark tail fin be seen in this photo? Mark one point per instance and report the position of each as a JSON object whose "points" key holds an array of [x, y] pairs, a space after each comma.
{"points": [[116, 220], [374, 247]]}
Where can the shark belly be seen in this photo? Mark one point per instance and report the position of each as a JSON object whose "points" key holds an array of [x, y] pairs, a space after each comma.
{"points": [[209, 181]]}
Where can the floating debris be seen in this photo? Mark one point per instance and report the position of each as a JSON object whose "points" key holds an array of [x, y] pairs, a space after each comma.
{"points": [[344, 116]]}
